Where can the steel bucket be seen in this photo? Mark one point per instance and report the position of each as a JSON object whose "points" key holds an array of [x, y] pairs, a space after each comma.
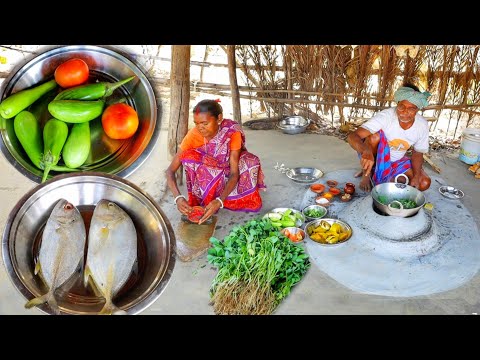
{"points": [[386, 194]]}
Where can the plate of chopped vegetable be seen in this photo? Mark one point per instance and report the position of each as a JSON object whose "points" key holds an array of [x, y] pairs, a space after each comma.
{"points": [[285, 217]]}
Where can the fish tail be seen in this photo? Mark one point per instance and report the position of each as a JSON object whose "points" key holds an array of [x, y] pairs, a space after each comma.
{"points": [[110, 309], [36, 301], [86, 274], [38, 267], [48, 298]]}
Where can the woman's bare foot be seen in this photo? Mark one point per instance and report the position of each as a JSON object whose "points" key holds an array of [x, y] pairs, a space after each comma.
{"points": [[365, 183]]}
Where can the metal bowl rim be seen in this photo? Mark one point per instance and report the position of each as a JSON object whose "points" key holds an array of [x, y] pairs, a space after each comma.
{"points": [[15, 277], [307, 121]]}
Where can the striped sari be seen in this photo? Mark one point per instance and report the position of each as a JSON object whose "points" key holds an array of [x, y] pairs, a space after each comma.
{"points": [[207, 169]]}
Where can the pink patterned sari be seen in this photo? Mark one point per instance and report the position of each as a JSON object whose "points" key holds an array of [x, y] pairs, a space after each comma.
{"points": [[207, 169]]}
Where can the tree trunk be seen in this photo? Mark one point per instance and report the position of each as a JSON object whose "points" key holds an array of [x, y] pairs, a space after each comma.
{"points": [[288, 76], [179, 99], [205, 57], [232, 71]]}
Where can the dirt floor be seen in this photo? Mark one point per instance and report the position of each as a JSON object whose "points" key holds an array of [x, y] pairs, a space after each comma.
{"points": [[188, 289]]}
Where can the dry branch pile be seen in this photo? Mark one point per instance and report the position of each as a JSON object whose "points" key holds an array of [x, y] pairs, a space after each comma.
{"points": [[346, 82]]}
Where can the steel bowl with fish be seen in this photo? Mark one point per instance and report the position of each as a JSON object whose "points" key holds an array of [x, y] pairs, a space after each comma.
{"points": [[151, 260]]}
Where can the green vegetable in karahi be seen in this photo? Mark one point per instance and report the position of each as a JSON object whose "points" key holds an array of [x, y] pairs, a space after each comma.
{"points": [[407, 204]]}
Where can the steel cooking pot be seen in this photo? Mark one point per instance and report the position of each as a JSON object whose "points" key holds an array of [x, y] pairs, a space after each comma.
{"points": [[386, 194]]}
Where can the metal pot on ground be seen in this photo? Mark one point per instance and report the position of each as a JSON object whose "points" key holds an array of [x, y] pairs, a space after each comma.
{"points": [[390, 193]]}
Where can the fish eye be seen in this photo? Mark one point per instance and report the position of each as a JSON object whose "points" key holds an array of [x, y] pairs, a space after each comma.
{"points": [[111, 204]]}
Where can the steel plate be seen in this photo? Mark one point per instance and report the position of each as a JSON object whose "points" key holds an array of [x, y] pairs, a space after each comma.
{"points": [[450, 192], [304, 174]]}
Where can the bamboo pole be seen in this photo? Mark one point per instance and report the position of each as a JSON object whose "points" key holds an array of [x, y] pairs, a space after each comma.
{"points": [[232, 72], [287, 63], [179, 100], [205, 57]]}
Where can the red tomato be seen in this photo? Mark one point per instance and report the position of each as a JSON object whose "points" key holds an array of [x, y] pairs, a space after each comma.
{"points": [[196, 214], [120, 121], [72, 72]]}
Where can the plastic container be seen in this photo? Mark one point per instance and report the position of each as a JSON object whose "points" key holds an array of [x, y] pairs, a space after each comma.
{"points": [[470, 147]]}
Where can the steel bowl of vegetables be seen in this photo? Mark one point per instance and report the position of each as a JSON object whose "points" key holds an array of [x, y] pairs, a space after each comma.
{"points": [[397, 199], [104, 108], [294, 234], [285, 217], [314, 212], [328, 232]]}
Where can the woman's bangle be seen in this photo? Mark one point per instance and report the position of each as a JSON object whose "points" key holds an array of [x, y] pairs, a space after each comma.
{"points": [[221, 202], [178, 197]]}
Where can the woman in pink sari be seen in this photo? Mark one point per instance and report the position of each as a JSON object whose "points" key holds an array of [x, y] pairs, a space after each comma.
{"points": [[220, 172]]}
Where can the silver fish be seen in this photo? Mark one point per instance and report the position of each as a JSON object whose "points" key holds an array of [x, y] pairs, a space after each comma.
{"points": [[61, 251], [112, 251]]}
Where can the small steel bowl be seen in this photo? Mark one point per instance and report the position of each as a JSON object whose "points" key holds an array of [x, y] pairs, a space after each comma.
{"points": [[155, 241], [314, 207], [119, 157], [294, 230], [293, 125]]}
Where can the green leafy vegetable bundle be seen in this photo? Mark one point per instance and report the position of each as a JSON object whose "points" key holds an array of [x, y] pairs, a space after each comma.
{"points": [[257, 268]]}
